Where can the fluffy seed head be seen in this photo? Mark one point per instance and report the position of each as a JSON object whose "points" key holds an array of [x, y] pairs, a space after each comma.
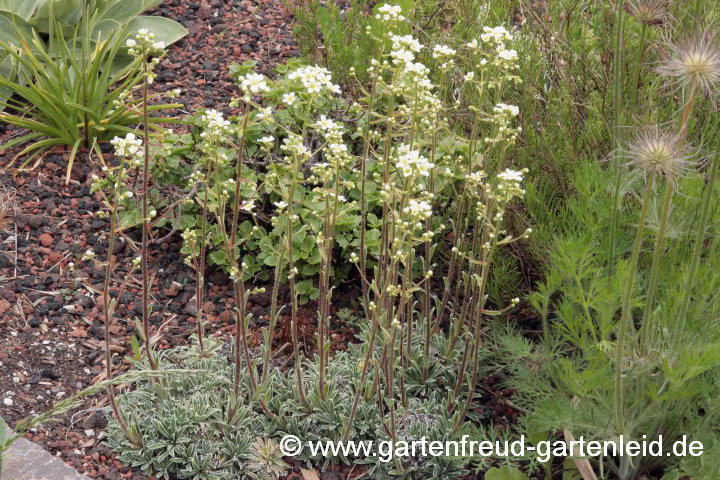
{"points": [[694, 63], [649, 12], [659, 152]]}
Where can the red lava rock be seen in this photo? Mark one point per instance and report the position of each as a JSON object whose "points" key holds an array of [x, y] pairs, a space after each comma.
{"points": [[4, 306], [208, 307], [78, 332], [204, 12], [225, 316], [60, 444], [55, 257], [45, 239], [173, 290]]}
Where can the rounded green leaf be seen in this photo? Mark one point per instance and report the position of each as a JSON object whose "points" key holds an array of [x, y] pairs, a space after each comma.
{"points": [[13, 29], [123, 11], [22, 8]]}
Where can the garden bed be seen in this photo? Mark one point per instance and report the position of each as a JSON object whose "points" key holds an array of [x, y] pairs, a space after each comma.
{"points": [[50, 322]]}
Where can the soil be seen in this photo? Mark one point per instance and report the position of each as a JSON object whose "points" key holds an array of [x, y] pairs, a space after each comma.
{"points": [[51, 329]]}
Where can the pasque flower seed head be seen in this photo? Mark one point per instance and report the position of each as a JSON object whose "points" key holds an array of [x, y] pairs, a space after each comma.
{"points": [[659, 152], [693, 63], [649, 12]]}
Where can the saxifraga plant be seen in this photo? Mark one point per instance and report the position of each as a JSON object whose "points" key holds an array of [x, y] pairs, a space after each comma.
{"points": [[413, 373]]}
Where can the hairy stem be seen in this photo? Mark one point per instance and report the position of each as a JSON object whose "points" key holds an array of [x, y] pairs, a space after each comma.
{"points": [[626, 313]]}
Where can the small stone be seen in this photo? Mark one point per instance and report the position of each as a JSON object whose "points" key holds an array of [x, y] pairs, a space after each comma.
{"points": [[4, 306], [45, 239], [8, 402], [173, 290]]}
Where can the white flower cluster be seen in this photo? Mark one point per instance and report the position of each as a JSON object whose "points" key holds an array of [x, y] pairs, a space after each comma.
{"points": [[418, 210], [444, 54], [129, 147], [509, 184], [335, 152], [267, 142], [404, 48], [216, 127], [390, 12], [144, 44], [502, 117], [501, 56], [315, 79], [411, 163], [498, 35], [253, 83], [293, 145]]}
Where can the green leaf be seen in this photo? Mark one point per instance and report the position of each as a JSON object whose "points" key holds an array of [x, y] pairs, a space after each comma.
{"points": [[13, 30], [505, 473], [671, 475], [123, 11], [22, 8]]}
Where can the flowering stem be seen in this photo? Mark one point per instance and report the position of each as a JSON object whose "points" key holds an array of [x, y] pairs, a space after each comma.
{"points": [[291, 280], [655, 269], [617, 104], [239, 283], [200, 274], [638, 68], [687, 112], [146, 223], [626, 311], [107, 316]]}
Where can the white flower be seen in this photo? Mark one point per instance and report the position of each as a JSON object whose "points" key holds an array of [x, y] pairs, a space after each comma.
{"points": [[248, 205], [130, 146], [511, 175], [443, 51], [289, 98], [326, 124], [131, 43], [410, 162], [402, 56], [281, 205], [469, 76], [265, 114], [507, 55], [253, 83], [215, 125], [473, 44], [315, 79], [407, 42], [267, 141], [418, 209], [389, 12], [495, 34], [512, 110]]}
